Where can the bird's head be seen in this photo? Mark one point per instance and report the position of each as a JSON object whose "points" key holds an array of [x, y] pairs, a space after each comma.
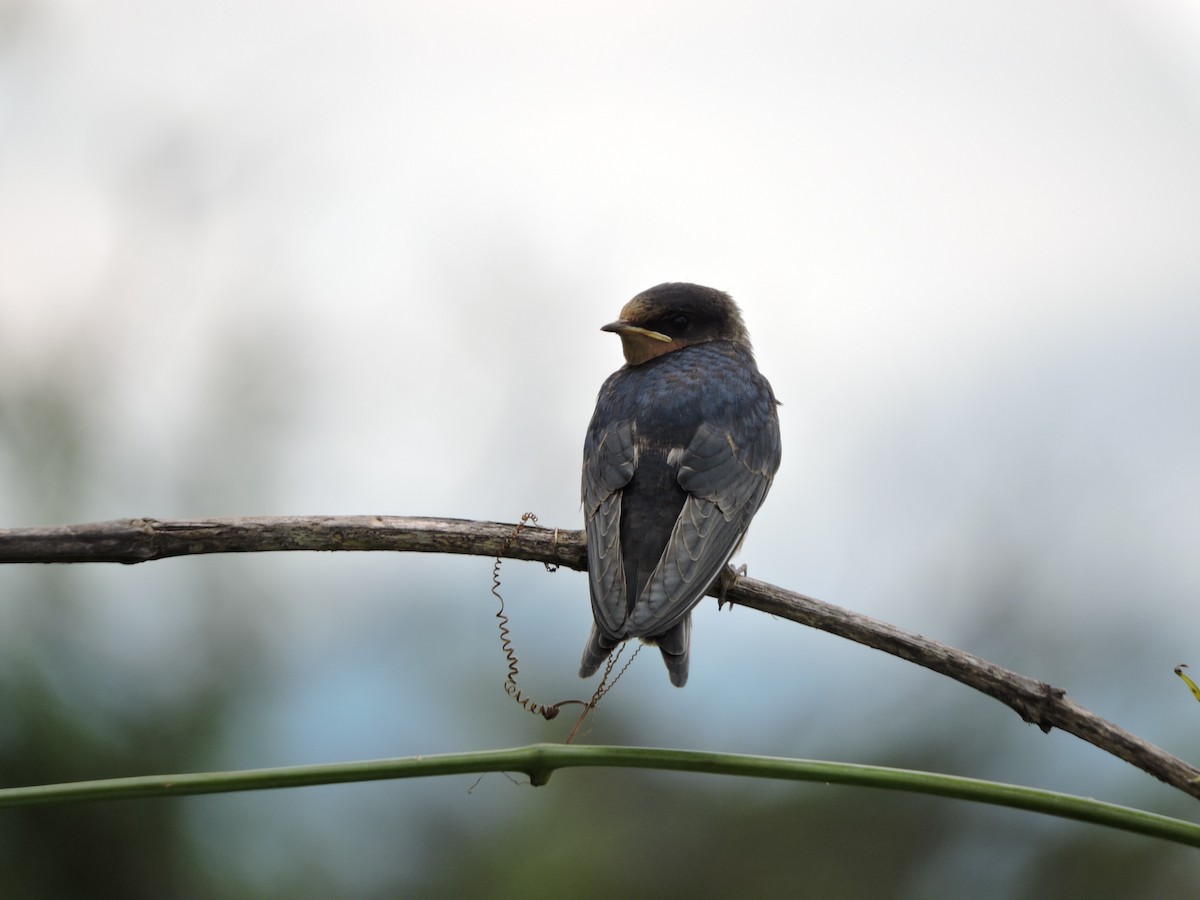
{"points": [[676, 315]]}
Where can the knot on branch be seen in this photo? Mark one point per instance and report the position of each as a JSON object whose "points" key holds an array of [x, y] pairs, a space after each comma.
{"points": [[1038, 706]]}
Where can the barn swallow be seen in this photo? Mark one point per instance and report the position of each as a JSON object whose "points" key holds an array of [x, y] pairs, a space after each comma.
{"points": [[679, 455]]}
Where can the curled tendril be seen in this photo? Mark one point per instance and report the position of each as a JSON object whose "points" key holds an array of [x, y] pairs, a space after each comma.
{"points": [[506, 644], [607, 682]]}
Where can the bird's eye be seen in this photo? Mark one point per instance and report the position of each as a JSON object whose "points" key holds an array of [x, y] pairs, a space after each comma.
{"points": [[679, 320]]}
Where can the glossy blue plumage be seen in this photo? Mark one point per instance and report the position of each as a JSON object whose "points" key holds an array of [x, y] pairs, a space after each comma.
{"points": [[679, 455]]}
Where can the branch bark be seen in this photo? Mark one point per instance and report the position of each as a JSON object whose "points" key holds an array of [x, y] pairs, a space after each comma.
{"points": [[141, 540]]}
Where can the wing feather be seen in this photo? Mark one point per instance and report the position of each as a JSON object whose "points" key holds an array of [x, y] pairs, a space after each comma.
{"points": [[726, 485], [609, 464]]}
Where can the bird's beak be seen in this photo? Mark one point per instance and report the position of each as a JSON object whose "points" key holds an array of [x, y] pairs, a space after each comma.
{"points": [[623, 328]]}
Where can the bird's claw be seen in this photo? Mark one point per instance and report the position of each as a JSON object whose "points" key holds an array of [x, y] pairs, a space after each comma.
{"points": [[726, 581]]}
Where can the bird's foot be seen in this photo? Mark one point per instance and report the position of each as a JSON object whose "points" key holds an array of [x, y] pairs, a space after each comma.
{"points": [[725, 582]]}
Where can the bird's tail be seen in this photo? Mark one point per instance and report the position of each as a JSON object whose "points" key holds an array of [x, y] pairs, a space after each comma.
{"points": [[675, 646], [596, 652]]}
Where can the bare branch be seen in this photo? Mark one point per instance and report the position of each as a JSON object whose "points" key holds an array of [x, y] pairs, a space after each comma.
{"points": [[142, 540]]}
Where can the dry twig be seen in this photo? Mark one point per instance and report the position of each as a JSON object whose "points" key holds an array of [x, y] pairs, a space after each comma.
{"points": [[142, 540]]}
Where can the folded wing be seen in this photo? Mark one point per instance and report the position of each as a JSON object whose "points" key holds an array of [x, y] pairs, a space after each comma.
{"points": [[609, 466], [726, 484]]}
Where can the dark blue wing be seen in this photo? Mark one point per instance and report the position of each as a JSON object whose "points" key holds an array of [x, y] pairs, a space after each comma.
{"points": [[609, 463], [726, 482]]}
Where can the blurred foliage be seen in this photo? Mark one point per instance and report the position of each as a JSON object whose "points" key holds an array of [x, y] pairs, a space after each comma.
{"points": [[638, 835], [132, 850], [82, 698], [74, 710]]}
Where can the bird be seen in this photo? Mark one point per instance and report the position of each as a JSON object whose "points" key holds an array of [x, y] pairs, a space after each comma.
{"points": [[678, 457]]}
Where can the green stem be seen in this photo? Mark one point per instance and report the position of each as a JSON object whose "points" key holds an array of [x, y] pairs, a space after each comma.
{"points": [[539, 761]]}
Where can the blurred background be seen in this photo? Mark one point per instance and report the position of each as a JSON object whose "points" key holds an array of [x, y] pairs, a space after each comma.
{"points": [[302, 258]]}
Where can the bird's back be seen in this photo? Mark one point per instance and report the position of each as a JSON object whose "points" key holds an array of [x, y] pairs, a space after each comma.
{"points": [[712, 388]]}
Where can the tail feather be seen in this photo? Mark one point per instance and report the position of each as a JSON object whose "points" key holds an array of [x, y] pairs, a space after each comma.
{"points": [[595, 652], [675, 646]]}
